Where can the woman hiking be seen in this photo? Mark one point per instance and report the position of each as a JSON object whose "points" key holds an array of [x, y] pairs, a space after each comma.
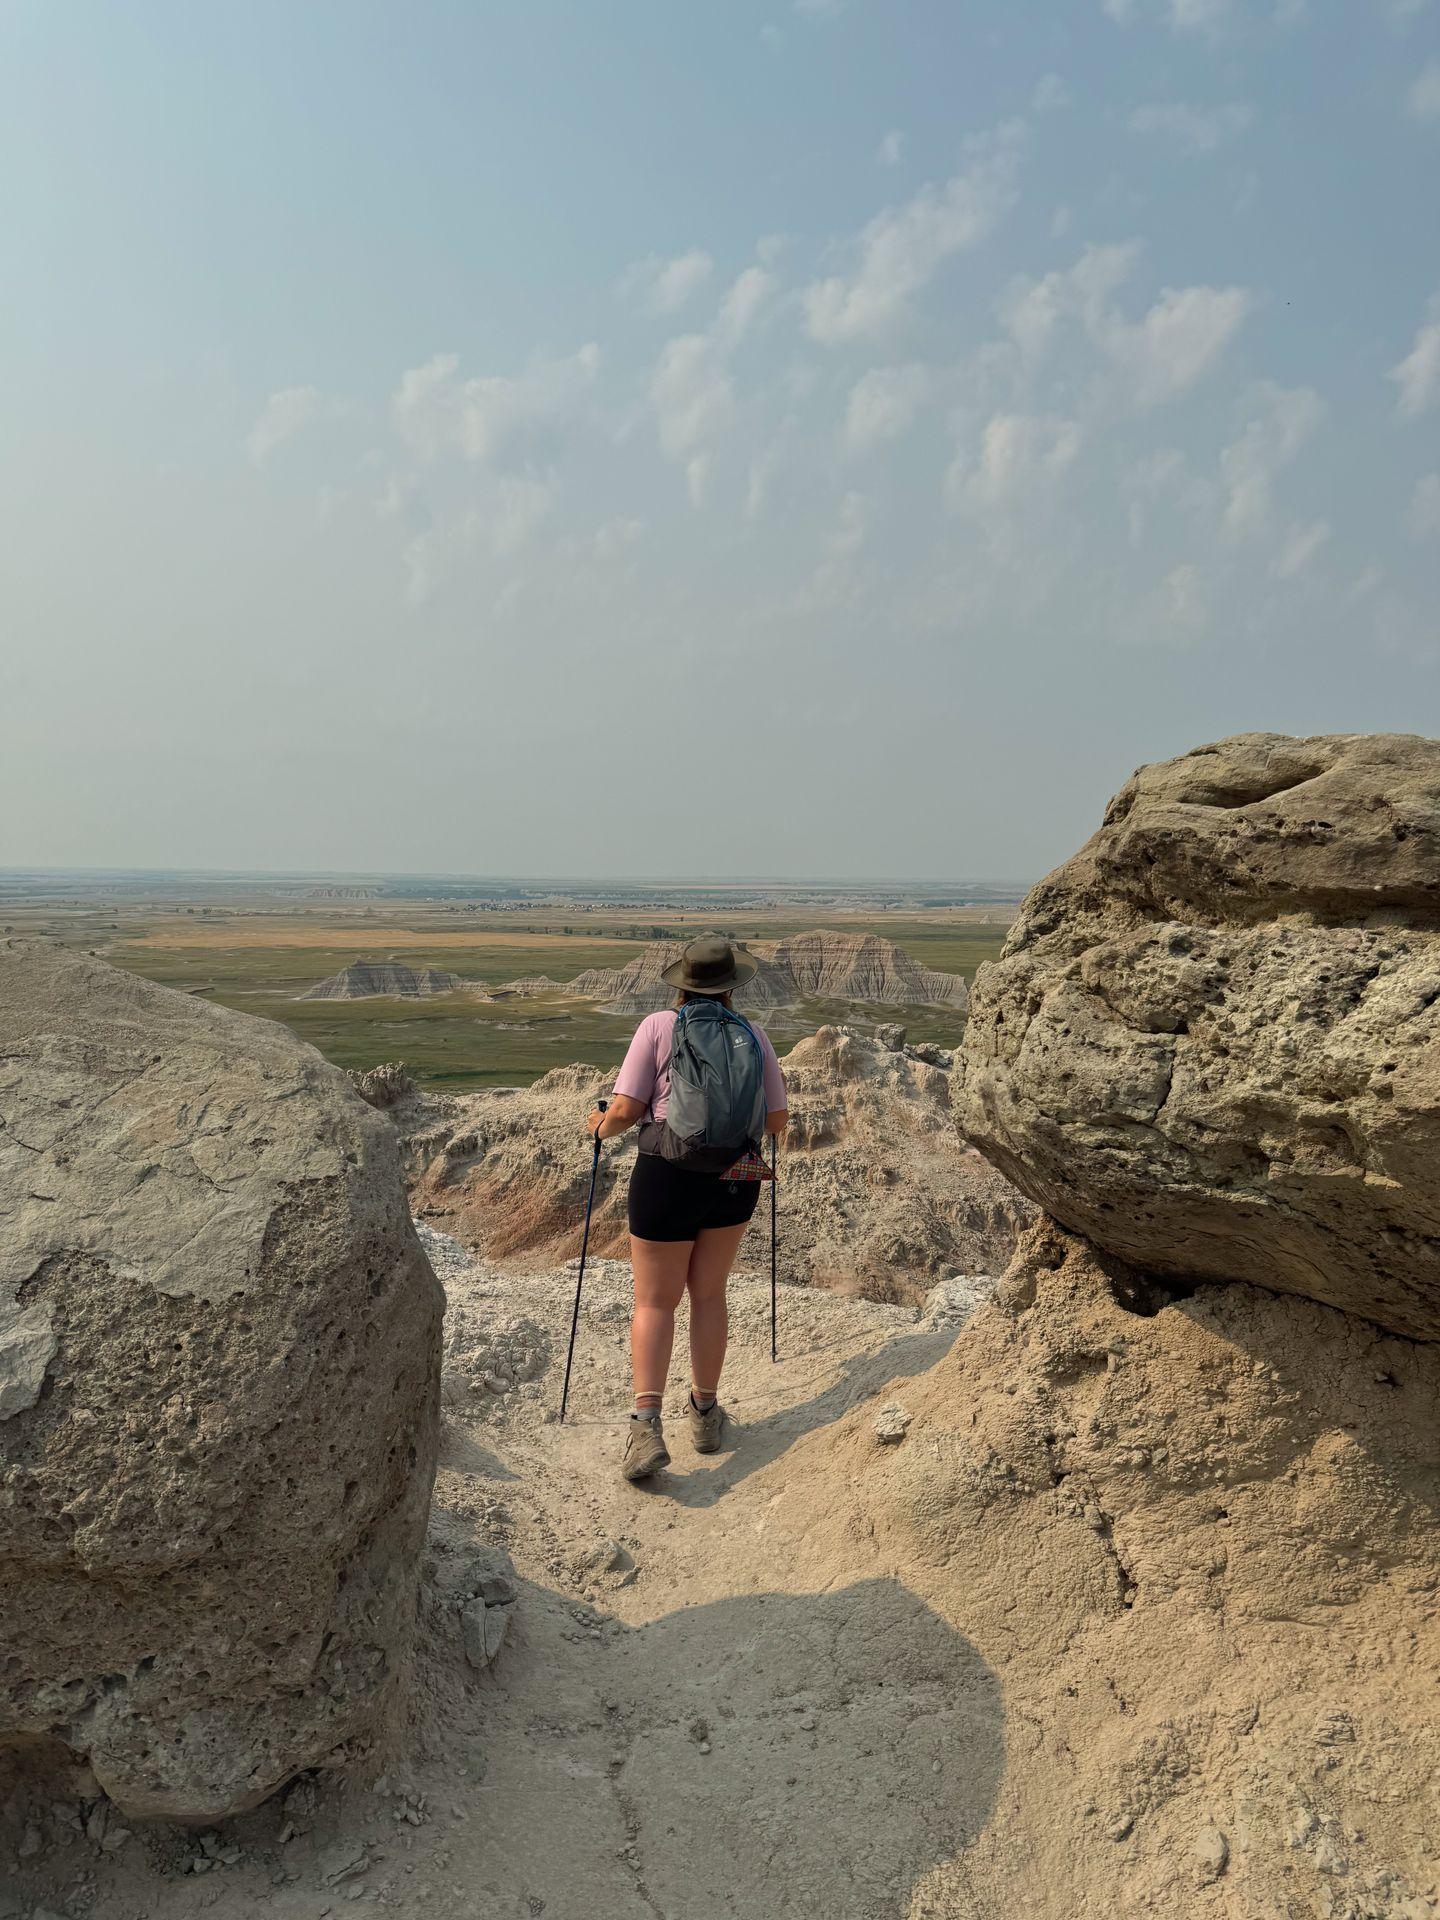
{"points": [[690, 1203]]}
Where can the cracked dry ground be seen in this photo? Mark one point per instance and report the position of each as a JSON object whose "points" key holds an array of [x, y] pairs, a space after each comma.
{"points": [[698, 1729]]}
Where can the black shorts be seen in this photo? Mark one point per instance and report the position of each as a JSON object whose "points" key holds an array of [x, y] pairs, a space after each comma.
{"points": [[674, 1203]]}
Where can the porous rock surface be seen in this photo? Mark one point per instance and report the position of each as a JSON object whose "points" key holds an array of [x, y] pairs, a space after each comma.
{"points": [[1212, 1041], [219, 1355], [879, 1192]]}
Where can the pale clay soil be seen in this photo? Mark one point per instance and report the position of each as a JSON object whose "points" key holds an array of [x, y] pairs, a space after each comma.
{"points": [[678, 1724]]}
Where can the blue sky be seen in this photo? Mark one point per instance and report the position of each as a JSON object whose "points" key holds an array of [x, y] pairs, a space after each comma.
{"points": [[816, 439]]}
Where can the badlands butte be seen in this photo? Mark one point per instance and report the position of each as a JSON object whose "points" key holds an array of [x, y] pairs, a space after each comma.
{"points": [[1078, 1556]]}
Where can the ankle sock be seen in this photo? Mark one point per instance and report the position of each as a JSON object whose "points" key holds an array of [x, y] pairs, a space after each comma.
{"points": [[646, 1413], [702, 1402]]}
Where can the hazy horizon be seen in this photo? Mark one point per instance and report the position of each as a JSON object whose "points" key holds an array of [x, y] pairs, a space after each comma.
{"points": [[807, 433]]}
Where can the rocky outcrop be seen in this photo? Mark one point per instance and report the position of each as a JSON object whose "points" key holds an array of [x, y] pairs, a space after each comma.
{"points": [[816, 966], [1193, 1538], [1212, 1043], [860, 966], [219, 1352], [388, 979], [879, 1193]]}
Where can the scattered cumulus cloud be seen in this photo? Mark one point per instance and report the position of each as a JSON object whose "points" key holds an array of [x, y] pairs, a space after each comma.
{"points": [[1049, 94], [485, 418], [748, 294], [1422, 516], [1019, 453], [883, 402], [1299, 548], [691, 392], [1281, 421], [901, 249], [891, 150], [283, 415], [1160, 355], [665, 286], [1183, 16], [1423, 98], [697, 478], [1418, 375], [1177, 341], [1194, 130]]}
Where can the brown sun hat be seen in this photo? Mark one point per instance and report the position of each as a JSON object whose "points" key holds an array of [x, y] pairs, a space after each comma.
{"points": [[710, 965]]}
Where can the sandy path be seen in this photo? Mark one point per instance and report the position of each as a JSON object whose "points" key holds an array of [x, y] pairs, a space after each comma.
{"points": [[689, 1733]]}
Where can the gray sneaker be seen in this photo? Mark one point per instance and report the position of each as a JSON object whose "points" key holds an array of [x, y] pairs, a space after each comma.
{"points": [[706, 1429], [645, 1450]]}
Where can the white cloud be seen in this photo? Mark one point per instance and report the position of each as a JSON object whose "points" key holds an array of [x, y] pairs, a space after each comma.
{"points": [[664, 286], [1282, 422], [1031, 311], [851, 529], [1299, 548], [691, 393], [283, 415], [697, 478], [1019, 453], [1194, 130], [1423, 99], [507, 522], [1181, 336], [1183, 600], [748, 294], [901, 249], [616, 538], [481, 419], [1184, 16], [891, 150], [1418, 374], [1050, 93], [1158, 356], [1422, 516], [883, 402]]}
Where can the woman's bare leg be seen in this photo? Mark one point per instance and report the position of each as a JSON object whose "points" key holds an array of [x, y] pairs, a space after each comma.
{"points": [[712, 1255], [659, 1268]]}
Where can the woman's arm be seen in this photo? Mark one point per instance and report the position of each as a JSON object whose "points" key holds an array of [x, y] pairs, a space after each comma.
{"points": [[778, 1121], [618, 1117]]}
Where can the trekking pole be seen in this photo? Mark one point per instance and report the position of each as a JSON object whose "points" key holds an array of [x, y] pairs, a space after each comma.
{"points": [[774, 1214], [580, 1277]]}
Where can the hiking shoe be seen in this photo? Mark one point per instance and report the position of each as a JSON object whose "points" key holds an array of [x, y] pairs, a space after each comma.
{"points": [[707, 1428], [645, 1450]]}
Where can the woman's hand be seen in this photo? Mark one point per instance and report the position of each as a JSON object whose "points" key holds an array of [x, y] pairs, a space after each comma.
{"points": [[621, 1112]]}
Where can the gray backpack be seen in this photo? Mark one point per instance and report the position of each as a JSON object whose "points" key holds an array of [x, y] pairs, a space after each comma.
{"points": [[717, 1091]]}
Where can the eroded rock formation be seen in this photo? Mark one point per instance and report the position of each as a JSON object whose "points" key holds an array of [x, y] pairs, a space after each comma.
{"points": [[1212, 1044], [879, 1194], [822, 965], [219, 1350], [390, 979]]}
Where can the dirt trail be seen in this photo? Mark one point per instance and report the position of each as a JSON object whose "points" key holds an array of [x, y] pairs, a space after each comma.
{"points": [[678, 1724]]}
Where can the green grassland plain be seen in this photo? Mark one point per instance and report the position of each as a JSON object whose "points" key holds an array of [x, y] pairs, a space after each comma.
{"points": [[261, 963]]}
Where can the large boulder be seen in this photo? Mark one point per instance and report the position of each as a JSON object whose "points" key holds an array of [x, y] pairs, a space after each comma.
{"points": [[219, 1355], [1212, 1042]]}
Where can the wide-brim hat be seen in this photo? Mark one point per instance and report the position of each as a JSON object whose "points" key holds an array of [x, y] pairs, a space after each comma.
{"points": [[710, 965]]}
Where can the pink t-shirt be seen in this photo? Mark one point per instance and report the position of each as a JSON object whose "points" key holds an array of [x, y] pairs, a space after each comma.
{"points": [[645, 1072]]}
